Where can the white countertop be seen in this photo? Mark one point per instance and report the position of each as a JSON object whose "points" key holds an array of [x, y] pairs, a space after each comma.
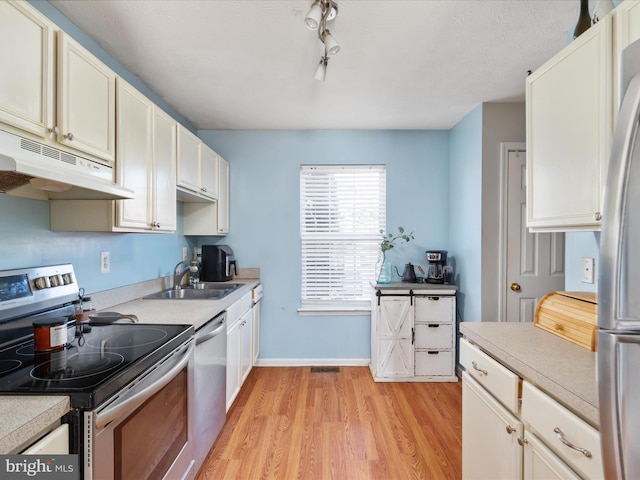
{"points": [[24, 417], [179, 312], [564, 370]]}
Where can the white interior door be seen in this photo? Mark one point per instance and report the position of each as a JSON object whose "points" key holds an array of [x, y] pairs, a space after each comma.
{"points": [[534, 261]]}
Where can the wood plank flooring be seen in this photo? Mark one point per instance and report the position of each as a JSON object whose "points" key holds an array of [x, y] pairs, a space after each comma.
{"points": [[291, 423]]}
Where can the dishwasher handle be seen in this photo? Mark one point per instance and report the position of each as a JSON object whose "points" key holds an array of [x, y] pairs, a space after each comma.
{"points": [[212, 329]]}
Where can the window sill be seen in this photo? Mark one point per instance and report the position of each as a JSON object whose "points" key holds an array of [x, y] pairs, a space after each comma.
{"points": [[333, 311]]}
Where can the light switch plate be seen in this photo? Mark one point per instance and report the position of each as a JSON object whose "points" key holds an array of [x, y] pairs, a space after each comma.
{"points": [[587, 269], [105, 262]]}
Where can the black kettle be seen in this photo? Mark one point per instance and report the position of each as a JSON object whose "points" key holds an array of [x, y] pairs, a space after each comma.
{"points": [[409, 274]]}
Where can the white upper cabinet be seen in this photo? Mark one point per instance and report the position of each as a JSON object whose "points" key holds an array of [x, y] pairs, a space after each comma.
{"points": [[164, 171], [27, 87], [86, 100], [222, 210], [146, 164], [570, 105], [55, 91], [188, 168], [197, 176], [627, 31], [135, 117]]}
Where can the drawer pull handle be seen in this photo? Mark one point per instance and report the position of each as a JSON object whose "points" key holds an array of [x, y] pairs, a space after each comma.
{"points": [[510, 429], [434, 325], [478, 369], [522, 441], [560, 436]]}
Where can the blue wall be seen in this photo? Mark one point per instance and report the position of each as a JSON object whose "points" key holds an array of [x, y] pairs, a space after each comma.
{"points": [[465, 197], [578, 245], [265, 220], [27, 241]]}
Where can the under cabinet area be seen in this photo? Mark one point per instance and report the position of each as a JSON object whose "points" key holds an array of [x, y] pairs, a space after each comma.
{"points": [[413, 333]]}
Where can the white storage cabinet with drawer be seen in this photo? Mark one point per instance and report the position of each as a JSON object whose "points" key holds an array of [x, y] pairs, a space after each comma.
{"points": [[512, 430], [413, 335]]}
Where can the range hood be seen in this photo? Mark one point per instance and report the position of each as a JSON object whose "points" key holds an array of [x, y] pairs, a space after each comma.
{"points": [[32, 169]]}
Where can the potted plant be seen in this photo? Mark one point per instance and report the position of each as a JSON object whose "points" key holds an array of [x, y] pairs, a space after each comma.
{"points": [[384, 268]]}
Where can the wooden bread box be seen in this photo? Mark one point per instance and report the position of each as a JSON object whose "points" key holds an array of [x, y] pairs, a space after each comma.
{"points": [[570, 315]]}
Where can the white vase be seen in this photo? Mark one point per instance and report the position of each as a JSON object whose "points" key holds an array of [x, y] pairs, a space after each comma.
{"points": [[602, 8]]}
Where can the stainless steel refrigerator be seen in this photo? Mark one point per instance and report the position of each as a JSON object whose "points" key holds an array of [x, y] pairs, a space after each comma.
{"points": [[619, 286]]}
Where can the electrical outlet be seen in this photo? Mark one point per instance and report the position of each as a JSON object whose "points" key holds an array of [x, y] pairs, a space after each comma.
{"points": [[185, 254], [587, 269], [105, 262]]}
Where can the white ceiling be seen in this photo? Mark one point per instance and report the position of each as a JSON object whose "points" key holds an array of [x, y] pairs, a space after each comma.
{"points": [[403, 64]]}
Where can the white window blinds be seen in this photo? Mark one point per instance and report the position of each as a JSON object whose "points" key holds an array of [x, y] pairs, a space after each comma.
{"points": [[342, 210]]}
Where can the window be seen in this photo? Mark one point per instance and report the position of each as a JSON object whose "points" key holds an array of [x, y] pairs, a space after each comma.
{"points": [[342, 210]]}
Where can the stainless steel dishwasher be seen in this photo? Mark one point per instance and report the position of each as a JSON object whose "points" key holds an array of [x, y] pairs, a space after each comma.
{"points": [[210, 383]]}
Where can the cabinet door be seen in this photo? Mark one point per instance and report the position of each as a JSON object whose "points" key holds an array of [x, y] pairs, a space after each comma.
{"points": [[540, 462], [209, 169], [27, 76], [188, 165], [223, 196], [395, 337], [135, 116], [246, 353], [490, 447], [234, 340], [85, 100], [164, 171], [569, 132], [256, 331]]}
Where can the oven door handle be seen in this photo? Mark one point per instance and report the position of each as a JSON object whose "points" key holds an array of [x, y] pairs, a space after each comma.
{"points": [[121, 407]]}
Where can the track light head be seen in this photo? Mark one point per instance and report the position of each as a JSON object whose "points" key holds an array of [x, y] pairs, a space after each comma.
{"points": [[321, 70], [313, 18], [330, 44]]}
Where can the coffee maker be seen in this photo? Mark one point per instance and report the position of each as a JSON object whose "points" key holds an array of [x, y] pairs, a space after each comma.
{"points": [[217, 261], [437, 260]]}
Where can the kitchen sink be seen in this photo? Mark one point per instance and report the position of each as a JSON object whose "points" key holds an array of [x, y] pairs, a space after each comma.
{"points": [[202, 291]]}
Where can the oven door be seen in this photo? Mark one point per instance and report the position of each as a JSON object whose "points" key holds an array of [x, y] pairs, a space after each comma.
{"points": [[145, 431]]}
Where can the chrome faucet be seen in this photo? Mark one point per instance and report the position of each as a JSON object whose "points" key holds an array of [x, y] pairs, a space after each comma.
{"points": [[178, 276]]}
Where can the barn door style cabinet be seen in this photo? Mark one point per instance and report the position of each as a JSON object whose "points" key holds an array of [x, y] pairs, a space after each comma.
{"points": [[413, 333]]}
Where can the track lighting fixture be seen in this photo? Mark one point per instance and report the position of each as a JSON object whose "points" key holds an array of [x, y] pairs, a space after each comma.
{"points": [[320, 13]]}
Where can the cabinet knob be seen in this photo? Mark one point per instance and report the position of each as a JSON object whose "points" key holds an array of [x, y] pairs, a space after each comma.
{"points": [[69, 136], [522, 441], [510, 429], [516, 287], [597, 216], [55, 131]]}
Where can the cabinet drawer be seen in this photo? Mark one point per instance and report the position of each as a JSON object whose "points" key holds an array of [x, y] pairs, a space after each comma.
{"points": [[499, 380], [552, 422], [235, 311], [434, 335], [435, 309], [437, 363]]}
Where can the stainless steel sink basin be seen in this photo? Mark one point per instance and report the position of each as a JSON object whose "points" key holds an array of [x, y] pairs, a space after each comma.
{"points": [[203, 291]]}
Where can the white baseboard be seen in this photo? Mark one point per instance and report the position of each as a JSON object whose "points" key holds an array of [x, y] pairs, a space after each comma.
{"points": [[312, 362]]}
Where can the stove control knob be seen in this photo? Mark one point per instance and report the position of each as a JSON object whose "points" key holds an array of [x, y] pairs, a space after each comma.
{"points": [[40, 283], [55, 280], [67, 279]]}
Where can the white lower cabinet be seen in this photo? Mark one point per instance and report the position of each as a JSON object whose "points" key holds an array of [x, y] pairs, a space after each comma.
{"points": [[239, 346], [413, 336], [490, 434], [511, 435]]}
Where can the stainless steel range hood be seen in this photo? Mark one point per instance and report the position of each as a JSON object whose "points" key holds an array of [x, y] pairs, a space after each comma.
{"points": [[32, 169]]}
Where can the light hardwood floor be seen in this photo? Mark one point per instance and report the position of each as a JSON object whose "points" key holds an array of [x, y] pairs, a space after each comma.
{"points": [[291, 423]]}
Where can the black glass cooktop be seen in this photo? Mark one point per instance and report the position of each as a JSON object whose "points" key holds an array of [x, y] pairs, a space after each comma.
{"points": [[95, 365]]}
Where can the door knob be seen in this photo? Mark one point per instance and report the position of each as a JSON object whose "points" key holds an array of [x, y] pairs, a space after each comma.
{"points": [[516, 287]]}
